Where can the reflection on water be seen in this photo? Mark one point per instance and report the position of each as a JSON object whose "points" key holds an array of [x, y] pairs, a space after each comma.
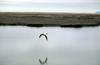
{"points": [[20, 45]]}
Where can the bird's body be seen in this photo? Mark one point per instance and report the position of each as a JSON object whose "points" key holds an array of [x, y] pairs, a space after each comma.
{"points": [[44, 36], [43, 62]]}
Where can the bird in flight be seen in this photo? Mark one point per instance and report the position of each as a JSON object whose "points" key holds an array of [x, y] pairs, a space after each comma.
{"points": [[44, 36], [43, 62]]}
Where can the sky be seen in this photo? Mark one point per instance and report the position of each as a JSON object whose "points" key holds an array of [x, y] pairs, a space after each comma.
{"points": [[21, 45], [73, 6], [52, 1]]}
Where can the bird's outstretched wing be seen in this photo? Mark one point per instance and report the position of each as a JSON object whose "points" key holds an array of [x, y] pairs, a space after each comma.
{"points": [[44, 36], [40, 61], [46, 60]]}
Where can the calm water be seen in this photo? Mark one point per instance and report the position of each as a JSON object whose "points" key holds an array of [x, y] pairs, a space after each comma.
{"points": [[20, 45]]}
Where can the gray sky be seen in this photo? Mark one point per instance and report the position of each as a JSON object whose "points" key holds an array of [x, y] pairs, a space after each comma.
{"points": [[20, 45], [52, 1], [71, 6]]}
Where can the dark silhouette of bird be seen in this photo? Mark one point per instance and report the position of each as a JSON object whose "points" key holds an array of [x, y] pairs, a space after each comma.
{"points": [[43, 62], [44, 36]]}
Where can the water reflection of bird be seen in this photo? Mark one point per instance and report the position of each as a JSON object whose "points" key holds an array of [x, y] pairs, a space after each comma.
{"points": [[44, 36], [43, 62]]}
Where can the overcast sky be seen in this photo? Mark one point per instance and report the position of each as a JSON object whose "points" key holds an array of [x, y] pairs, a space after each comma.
{"points": [[52, 1], [65, 46], [78, 6]]}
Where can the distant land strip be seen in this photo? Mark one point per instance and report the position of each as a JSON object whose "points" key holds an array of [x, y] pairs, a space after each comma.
{"points": [[39, 19]]}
